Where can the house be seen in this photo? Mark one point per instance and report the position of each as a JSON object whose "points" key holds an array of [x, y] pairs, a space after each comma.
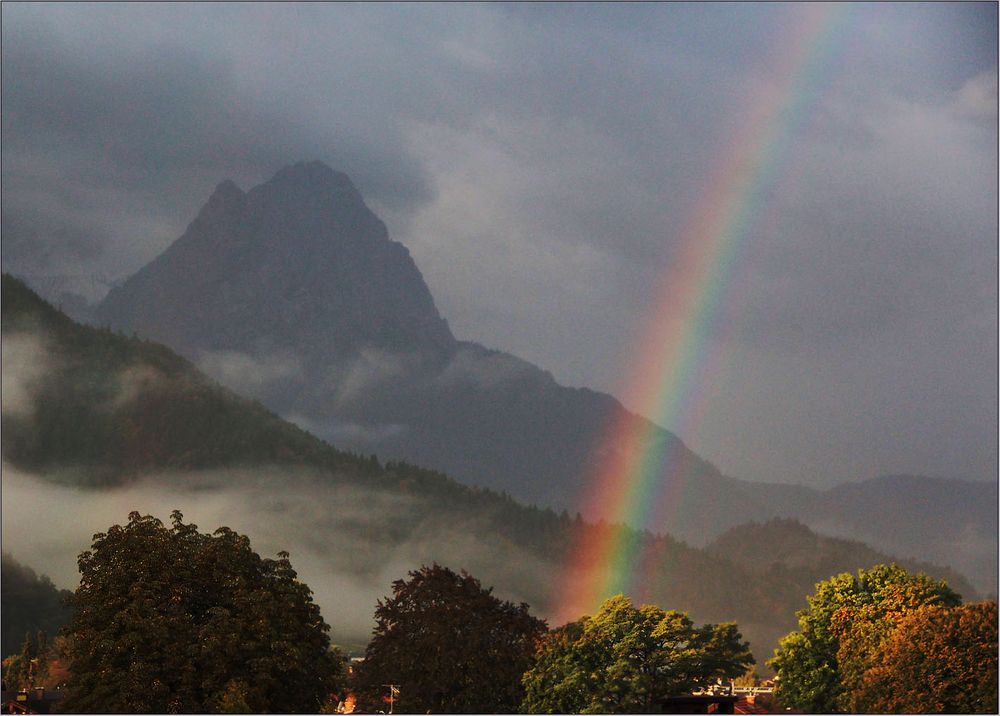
{"points": [[30, 701]]}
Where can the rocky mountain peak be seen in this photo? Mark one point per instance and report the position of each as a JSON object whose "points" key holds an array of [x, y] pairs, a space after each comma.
{"points": [[226, 193], [314, 174], [226, 200], [298, 260], [314, 183], [310, 202]]}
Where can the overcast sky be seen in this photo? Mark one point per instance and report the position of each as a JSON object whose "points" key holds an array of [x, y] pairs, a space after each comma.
{"points": [[540, 162]]}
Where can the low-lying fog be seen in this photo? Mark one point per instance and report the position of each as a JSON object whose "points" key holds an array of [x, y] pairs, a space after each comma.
{"points": [[347, 543]]}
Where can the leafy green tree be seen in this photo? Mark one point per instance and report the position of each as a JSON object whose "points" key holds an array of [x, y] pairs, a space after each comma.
{"points": [[31, 667], [749, 678], [12, 668], [936, 660], [626, 660], [234, 699], [18, 668], [171, 620], [448, 645], [562, 672], [811, 675]]}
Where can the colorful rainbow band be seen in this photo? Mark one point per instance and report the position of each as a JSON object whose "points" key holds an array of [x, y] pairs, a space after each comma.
{"points": [[641, 472]]}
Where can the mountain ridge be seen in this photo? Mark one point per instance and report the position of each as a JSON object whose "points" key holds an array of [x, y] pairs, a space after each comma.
{"points": [[246, 244], [373, 366], [364, 514]]}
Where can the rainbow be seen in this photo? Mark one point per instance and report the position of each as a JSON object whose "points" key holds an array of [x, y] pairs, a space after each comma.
{"points": [[641, 474]]}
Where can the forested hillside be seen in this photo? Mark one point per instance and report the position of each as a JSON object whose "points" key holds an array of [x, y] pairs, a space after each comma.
{"points": [[303, 301], [795, 555], [104, 410], [112, 406], [29, 603]]}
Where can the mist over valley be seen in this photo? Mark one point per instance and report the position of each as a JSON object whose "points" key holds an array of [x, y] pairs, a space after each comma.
{"points": [[139, 440]]}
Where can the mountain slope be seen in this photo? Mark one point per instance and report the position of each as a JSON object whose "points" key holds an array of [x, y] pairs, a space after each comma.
{"points": [[111, 407], [951, 522], [298, 260], [802, 557], [293, 293], [28, 604], [383, 515], [358, 519], [297, 284]]}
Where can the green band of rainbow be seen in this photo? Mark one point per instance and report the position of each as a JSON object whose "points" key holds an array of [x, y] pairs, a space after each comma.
{"points": [[641, 473]]}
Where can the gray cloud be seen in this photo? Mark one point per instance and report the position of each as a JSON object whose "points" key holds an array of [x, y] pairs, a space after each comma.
{"points": [[246, 374], [541, 161], [121, 141], [888, 233], [485, 372], [369, 370], [303, 512], [26, 362]]}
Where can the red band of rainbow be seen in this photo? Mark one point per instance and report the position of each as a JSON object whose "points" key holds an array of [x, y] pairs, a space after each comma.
{"points": [[640, 476]]}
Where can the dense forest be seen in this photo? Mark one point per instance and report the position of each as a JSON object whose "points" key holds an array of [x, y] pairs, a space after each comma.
{"points": [[302, 301], [29, 603], [792, 554], [104, 409]]}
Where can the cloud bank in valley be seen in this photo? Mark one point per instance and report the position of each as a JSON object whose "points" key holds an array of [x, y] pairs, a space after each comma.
{"points": [[348, 541], [336, 533]]}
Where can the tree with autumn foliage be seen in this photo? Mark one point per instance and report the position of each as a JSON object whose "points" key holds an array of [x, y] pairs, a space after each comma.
{"points": [[172, 620], [935, 660], [20, 670], [448, 645], [627, 660], [848, 617]]}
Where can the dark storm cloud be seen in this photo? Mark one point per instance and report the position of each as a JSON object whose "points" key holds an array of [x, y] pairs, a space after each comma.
{"points": [[145, 113], [541, 160], [122, 141], [144, 118]]}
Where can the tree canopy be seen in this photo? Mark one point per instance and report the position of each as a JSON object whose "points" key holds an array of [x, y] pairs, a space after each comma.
{"points": [[448, 645], [819, 666], [626, 660], [21, 671], [171, 620], [936, 660]]}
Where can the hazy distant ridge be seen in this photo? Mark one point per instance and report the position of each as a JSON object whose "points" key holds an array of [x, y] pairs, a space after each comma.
{"points": [[351, 523], [293, 293]]}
